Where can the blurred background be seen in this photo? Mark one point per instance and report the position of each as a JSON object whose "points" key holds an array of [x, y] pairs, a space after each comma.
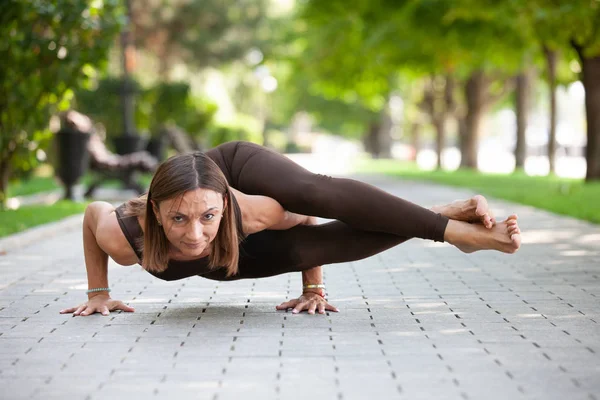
{"points": [[502, 97]]}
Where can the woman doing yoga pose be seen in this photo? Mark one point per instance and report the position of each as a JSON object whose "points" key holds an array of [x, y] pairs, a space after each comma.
{"points": [[243, 211]]}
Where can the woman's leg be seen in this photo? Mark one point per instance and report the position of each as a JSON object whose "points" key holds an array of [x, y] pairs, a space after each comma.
{"points": [[254, 169], [270, 253]]}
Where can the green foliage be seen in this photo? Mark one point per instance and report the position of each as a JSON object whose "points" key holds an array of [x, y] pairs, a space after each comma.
{"points": [[164, 103], [170, 100], [244, 127], [103, 105], [173, 103], [46, 49], [346, 67], [336, 108], [561, 24], [199, 33]]}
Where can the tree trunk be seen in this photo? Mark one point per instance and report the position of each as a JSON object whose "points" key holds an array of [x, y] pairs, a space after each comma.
{"points": [[451, 108], [591, 82], [127, 55], [475, 94], [440, 142], [438, 103], [385, 131], [4, 174], [371, 141], [462, 134], [415, 139], [551, 59], [449, 97], [521, 108]]}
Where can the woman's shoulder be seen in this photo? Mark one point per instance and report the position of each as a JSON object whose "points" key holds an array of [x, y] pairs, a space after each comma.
{"points": [[110, 236]]}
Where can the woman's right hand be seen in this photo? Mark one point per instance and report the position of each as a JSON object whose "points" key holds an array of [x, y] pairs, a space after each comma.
{"points": [[101, 303]]}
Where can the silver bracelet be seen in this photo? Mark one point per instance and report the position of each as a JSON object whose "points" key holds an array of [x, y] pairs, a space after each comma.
{"points": [[102, 289]]}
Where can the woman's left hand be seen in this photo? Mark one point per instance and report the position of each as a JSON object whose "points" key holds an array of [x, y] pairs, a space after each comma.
{"points": [[308, 301]]}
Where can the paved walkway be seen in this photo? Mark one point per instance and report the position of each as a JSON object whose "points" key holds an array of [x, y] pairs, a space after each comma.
{"points": [[420, 321]]}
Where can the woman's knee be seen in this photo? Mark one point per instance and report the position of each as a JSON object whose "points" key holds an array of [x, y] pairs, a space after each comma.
{"points": [[315, 194]]}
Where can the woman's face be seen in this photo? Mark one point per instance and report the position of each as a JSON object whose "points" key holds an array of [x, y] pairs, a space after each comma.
{"points": [[191, 222]]}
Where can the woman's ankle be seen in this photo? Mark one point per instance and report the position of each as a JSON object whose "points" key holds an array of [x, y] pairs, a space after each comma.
{"points": [[454, 233]]}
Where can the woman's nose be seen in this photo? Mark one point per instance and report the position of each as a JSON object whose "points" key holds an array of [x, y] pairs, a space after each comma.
{"points": [[196, 230]]}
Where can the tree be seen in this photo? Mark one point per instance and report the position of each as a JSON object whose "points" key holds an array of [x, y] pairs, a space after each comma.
{"points": [[523, 83], [198, 33], [439, 102], [560, 27], [47, 48], [352, 68], [434, 37]]}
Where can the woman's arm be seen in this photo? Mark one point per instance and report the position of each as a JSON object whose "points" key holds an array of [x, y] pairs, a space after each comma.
{"points": [[100, 239], [311, 299], [96, 259], [262, 212]]}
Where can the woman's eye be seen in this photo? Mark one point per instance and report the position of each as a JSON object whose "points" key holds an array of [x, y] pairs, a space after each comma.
{"points": [[178, 219], [209, 216]]}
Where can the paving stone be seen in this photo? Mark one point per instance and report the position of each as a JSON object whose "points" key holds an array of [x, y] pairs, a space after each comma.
{"points": [[420, 321]]}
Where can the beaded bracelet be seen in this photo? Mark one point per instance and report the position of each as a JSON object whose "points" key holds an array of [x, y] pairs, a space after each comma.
{"points": [[102, 289]]}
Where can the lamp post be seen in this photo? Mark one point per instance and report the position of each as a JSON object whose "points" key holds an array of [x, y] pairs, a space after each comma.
{"points": [[129, 142]]}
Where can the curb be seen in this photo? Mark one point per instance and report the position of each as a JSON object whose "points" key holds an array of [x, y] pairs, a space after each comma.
{"points": [[29, 236]]}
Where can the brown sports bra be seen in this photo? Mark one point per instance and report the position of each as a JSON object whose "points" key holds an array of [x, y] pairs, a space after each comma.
{"points": [[176, 269]]}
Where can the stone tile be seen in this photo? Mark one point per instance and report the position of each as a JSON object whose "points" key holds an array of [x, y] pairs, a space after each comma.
{"points": [[419, 321]]}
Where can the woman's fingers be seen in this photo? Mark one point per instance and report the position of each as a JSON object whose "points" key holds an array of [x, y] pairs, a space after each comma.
{"points": [[329, 307], [87, 311], [68, 310], [80, 309], [287, 305], [299, 307], [311, 306], [104, 310], [122, 306]]}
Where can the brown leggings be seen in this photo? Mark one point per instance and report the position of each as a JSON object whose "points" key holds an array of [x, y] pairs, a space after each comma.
{"points": [[369, 220]]}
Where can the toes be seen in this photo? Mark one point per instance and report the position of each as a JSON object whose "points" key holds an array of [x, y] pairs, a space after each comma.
{"points": [[482, 206], [488, 222], [516, 239]]}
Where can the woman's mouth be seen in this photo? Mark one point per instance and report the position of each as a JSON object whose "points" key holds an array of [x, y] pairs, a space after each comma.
{"points": [[192, 245]]}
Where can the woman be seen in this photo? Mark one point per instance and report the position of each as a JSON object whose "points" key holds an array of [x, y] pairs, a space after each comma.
{"points": [[193, 222]]}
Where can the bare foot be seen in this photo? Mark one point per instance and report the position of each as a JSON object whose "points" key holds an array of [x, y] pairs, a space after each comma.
{"points": [[504, 236], [473, 210]]}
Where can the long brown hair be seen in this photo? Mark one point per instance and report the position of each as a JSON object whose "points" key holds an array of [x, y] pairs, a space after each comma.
{"points": [[174, 177]]}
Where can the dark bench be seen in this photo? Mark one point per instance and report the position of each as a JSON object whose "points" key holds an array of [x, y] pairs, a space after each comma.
{"points": [[106, 165], [103, 164]]}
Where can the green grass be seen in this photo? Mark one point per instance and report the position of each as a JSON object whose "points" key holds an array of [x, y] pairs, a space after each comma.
{"points": [[35, 184], [13, 221], [572, 197], [40, 184]]}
